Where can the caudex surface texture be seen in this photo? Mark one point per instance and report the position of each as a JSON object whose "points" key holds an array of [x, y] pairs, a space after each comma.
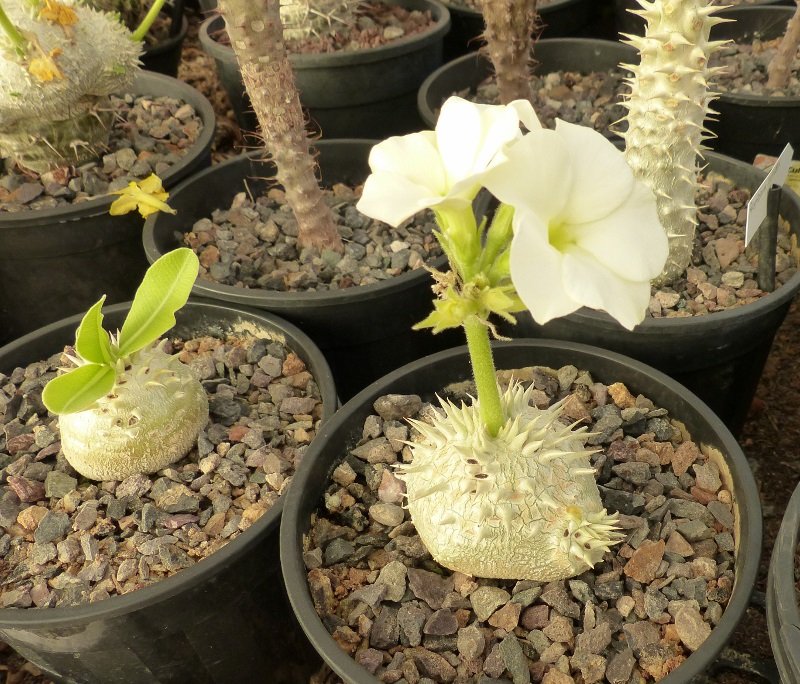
{"points": [[58, 64], [667, 105]]}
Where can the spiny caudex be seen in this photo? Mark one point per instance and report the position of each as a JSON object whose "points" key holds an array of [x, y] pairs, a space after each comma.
{"points": [[129, 407], [59, 62], [668, 102], [501, 488]]}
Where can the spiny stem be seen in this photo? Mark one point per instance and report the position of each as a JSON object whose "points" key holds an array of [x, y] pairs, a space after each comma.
{"points": [[12, 32], [480, 355], [148, 20]]}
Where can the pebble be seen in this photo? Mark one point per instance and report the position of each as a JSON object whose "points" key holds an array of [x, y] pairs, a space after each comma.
{"points": [[486, 600]]}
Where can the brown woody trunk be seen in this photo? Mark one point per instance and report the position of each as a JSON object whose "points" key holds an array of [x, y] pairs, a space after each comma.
{"points": [[780, 68], [256, 35], [510, 25]]}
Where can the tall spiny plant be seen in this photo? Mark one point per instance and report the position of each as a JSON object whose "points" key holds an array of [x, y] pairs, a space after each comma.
{"points": [[256, 34], [509, 29], [667, 105], [59, 62]]}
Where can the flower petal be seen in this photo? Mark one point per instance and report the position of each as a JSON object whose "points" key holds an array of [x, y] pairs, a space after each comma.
{"points": [[470, 135], [535, 175], [537, 270], [630, 240], [414, 157], [602, 178], [597, 287], [392, 198]]}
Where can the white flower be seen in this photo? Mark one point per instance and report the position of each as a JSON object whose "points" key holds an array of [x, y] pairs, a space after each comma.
{"points": [[444, 167], [586, 232]]}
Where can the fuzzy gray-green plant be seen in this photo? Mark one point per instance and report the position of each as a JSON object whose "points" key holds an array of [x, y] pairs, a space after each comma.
{"points": [[55, 81], [667, 106]]}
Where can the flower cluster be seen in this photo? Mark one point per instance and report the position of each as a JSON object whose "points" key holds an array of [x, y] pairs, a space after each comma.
{"points": [[584, 231]]}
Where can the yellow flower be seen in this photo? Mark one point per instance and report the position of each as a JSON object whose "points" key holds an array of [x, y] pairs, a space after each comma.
{"points": [[44, 68], [147, 196], [57, 13]]}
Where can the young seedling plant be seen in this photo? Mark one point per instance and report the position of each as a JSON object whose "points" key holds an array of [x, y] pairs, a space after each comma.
{"points": [[501, 488], [129, 407]]}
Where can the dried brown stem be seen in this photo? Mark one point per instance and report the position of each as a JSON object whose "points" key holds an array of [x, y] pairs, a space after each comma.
{"points": [[256, 35], [508, 33], [780, 68]]}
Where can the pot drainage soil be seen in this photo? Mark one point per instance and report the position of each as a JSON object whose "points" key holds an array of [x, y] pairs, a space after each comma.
{"points": [[148, 135], [376, 24], [652, 601], [254, 245], [67, 541], [476, 4], [723, 271], [591, 99], [745, 67]]}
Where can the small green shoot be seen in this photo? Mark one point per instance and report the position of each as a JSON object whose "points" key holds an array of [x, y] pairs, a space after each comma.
{"points": [[164, 289]]}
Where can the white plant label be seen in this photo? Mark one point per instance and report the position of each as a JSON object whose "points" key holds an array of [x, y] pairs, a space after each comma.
{"points": [[757, 206]]}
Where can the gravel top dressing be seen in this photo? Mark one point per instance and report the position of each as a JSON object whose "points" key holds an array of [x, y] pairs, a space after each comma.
{"points": [[746, 69], [67, 541], [644, 609], [148, 135]]}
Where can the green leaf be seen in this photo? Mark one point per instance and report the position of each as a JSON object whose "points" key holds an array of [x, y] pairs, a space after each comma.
{"points": [[91, 341], [165, 288], [78, 389]]}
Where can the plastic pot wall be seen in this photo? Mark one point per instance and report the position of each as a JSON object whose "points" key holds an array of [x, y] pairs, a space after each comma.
{"points": [[783, 614], [56, 262], [751, 124], [719, 356], [428, 376], [364, 331], [366, 93], [225, 619], [552, 54]]}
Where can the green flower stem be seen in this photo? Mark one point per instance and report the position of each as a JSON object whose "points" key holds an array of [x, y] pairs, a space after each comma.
{"points": [[461, 240], [480, 354], [12, 32], [148, 20]]}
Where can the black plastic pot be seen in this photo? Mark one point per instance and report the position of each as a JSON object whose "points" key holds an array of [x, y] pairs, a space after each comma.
{"points": [[364, 331], [631, 23], [720, 356], [54, 262], [165, 56], [560, 18], [751, 124], [552, 54], [225, 619], [428, 376], [783, 614], [355, 94]]}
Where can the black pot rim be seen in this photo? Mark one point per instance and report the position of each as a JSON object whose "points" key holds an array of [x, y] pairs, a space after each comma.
{"points": [[427, 113], [760, 101], [401, 46], [170, 41], [294, 572], [362, 294], [100, 205], [24, 618], [783, 613]]}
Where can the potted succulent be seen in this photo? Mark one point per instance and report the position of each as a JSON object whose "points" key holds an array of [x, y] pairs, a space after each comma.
{"points": [[106, 553], [503, 486], [356, 90], [365, 329], [759, 115], [55, 206], [719, 356]]}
